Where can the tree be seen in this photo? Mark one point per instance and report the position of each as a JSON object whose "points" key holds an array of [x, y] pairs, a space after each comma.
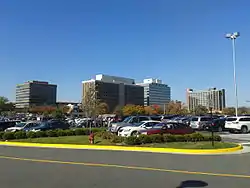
{"points": [[132, 109], [243, 110], [3, 100], [90, 102], [102, 108], [153, 110], [118, 110], [57, 114], [5, 105], [200, 110], [175, 107], [229, 111]]}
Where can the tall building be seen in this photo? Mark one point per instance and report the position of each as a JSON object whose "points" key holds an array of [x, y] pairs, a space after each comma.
{"points": [[35, 93], [155, 92], [211, 98], [112, 90]]}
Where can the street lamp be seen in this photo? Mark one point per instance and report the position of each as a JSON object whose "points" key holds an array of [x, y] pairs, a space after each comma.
{"points": [[233, 36]]}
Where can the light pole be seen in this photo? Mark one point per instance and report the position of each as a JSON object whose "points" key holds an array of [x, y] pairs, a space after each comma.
{"points": [[233, 36]]}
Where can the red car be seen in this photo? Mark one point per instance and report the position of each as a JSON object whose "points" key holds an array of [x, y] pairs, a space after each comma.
{"points": [[169, 128]]}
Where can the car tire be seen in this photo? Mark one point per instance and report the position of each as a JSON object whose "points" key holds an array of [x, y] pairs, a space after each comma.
{"points": [[244, 129], [220, 129], [134, 133]]}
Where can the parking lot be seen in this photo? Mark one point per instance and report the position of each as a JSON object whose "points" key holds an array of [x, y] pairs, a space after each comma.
{"points": [[239, 138]]}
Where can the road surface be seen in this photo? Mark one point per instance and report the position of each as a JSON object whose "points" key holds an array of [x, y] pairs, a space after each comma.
{"points": [[64, 168]]}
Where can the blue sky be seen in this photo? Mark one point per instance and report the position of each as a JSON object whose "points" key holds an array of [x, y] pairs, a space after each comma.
{"points": [[181, 42]]}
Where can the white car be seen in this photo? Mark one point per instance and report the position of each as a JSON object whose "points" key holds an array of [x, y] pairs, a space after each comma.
{"points": [[133, 130], [238, 124], [21, 126]]}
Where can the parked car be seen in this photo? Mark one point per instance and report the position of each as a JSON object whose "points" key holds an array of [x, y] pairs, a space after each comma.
{"points": [[6, 124], [216, 125], [169, 128], [238, 124], [199, 122], [22, 126], [129, 121], [50, 125], [134, 130]]}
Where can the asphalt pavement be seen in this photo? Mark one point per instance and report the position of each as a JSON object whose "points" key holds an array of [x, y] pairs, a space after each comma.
{"points": [[64, 168]]}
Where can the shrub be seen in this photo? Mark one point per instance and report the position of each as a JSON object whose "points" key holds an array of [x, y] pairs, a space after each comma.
{"points": [[196, 137], [40, 134], [170, 138], [51, 133], [157, 138], [9, 136], [132, 140], [116, 139], [69, 132], [80, 131], [145, 139], [20, 135], [31, 134], [61, 133], [1, 135]]}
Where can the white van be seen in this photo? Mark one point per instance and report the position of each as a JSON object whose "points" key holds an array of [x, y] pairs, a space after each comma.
{"points": [[238, 124]]}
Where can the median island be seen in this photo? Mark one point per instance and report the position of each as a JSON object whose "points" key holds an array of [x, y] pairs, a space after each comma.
{"points": [[81, 137]]}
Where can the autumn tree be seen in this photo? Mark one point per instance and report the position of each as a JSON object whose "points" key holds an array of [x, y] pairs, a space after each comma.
{"points": [[102, 108], [153, 110], [132, 109], [174, 107]]}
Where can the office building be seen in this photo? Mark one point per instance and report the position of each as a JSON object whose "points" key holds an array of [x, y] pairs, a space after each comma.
{"points": [[155, 92], [35, 93], [112, 90], [211, 98]]}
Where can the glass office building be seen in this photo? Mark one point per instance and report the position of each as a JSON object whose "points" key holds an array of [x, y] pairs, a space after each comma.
{"points": [[155, 92]]}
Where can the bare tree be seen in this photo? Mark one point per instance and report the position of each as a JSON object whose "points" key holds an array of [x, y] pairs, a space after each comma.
{"points": [[90, 101]]}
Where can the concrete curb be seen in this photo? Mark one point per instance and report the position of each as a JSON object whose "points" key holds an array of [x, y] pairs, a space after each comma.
{"points": [[125, 148]]}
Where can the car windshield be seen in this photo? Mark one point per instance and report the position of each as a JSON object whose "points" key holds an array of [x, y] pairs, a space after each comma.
{"points": [[126, 120], [20, 125]]}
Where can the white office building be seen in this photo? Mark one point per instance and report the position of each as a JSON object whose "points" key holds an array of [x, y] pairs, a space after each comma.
{"points": [[155, 92]]}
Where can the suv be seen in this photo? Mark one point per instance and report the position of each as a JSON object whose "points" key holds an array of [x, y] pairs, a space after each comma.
{"points": [[199, 122], [128, 121], [238, 124]]}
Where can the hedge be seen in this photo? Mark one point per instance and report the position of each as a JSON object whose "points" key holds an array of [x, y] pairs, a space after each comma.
{"points": [[157, 138], [49, 133]]}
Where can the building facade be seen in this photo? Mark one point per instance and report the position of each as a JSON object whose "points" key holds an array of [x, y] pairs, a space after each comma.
{"points": [[112, 90], [155, 92], [35, 93], [211, 98]]}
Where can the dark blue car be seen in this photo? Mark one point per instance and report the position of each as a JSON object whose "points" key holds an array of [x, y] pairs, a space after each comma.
{"points": [[49, 125]]}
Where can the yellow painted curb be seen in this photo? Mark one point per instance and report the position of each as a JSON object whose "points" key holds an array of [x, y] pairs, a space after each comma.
{"points": [[125, 148]]}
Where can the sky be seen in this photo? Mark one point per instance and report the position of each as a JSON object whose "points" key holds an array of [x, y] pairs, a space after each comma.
{"points": [[178, 41]]}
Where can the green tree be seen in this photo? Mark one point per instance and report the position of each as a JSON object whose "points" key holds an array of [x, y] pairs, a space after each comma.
{"points": [[229, 111], [57, 114], [3, 100], [200, 110], [243, 110]]}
